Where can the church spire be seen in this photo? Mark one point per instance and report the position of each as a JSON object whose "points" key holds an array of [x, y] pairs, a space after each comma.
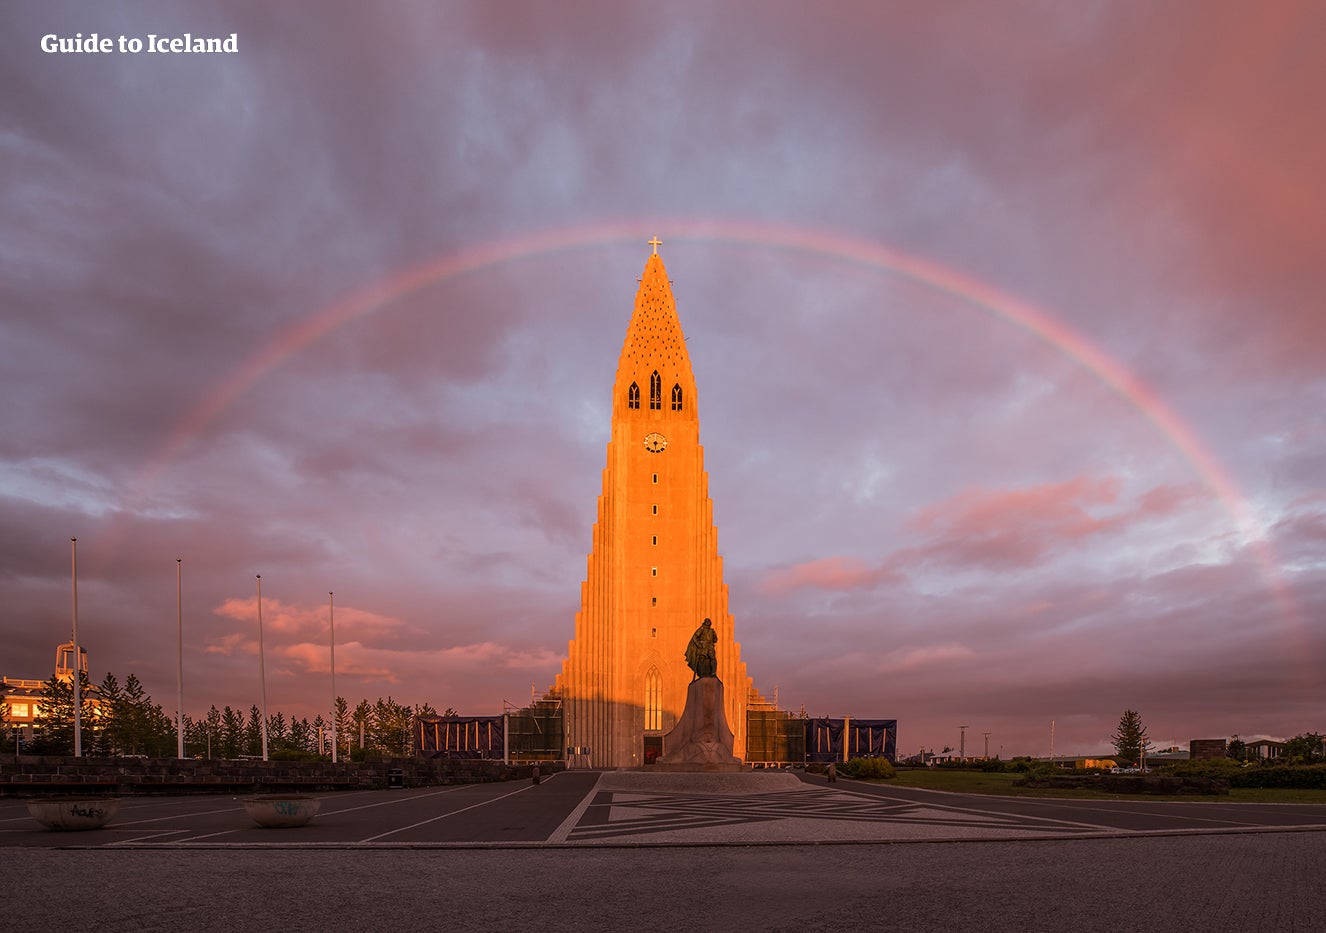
{"points": [[654, 378]]}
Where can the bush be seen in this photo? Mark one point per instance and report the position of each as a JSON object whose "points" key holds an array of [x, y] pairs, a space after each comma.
{"points": [[1204, 768], [879, 769], [1299, 777]]}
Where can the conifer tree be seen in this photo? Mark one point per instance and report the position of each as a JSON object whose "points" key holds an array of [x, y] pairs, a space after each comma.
{"points": [[1130, 738], [362, 724], [342, 715], [278, 733], [53, 726], [301, 735], [212, 733], [253, 732], [232, 733], [110, 740]]}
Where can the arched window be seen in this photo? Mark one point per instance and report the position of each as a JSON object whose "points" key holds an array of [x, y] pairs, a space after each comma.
{"points": [[633, 396], [655, 391], [676, 397], [653, 701]]}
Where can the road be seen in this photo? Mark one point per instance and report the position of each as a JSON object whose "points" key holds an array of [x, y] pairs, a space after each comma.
{"points": [[590, 850]]}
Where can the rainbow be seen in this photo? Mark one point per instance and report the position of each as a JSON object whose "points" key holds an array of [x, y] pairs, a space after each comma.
{"points": [[829, 245]]}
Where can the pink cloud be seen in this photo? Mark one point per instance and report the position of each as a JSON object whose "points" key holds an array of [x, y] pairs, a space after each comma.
{"points": [[1021, 527], [914, 658], [310, 622], [827, 573]]}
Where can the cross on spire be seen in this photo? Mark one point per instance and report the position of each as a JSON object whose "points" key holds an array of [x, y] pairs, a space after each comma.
{"points": [[656, 243]]}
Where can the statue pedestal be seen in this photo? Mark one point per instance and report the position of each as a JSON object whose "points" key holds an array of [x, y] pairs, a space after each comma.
{"points": [[701, 740]]}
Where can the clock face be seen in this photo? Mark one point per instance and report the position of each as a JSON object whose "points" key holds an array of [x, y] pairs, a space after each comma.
{"points": [[655, 442]]}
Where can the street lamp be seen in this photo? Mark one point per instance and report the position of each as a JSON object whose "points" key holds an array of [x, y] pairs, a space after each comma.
{"points": [[78, 665], [331, 621], [262, 671], [179, 626]]}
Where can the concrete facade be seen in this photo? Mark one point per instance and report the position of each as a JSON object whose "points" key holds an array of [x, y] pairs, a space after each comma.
{"points": [[654, 572]]}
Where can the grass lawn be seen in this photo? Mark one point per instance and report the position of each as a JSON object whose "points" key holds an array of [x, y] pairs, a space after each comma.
{"points": [[977, 782]]}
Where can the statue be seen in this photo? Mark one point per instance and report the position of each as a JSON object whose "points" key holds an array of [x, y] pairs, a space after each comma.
{"points": [[701, 740], [700, 655]]}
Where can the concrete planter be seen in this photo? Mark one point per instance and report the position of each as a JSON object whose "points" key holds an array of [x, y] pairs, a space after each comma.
{"points": [[74, 813], [281, 811]]}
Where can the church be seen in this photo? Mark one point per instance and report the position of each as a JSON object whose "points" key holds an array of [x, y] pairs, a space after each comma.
{"points": [[654, 572], [653, 577]]}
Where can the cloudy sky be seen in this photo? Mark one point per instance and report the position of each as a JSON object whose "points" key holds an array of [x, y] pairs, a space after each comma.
{"points": [[1007, 323]]}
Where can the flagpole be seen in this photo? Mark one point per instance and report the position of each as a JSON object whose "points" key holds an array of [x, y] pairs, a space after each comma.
{"points": [[331, 620], [179, 626], [262, 671], [78, 666]]}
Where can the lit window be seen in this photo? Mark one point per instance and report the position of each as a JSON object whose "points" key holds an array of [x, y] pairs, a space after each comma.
{"points": [[18, 711], [653, 701]]}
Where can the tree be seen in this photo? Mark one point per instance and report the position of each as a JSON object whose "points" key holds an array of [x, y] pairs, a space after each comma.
{"points": [[278, 733], [342, 714], [1130, 738], [301, 735], [395, 725], [147, 730], [253, 732], [232, 733], [212, 732], [110, 740], [1305, 749], [9, 731], [1237, 749], [195, 737], [53, 726], [362, 722]]}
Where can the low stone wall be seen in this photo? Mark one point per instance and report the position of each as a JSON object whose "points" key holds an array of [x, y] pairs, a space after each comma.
{"points": [[33, 775]]}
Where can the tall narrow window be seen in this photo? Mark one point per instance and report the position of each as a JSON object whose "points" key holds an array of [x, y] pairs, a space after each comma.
{"points": [[676, 397], [653, 701], [655, 391], [633, 396]]}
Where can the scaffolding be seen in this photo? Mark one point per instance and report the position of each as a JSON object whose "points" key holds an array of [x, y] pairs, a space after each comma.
{"points": [[536, 732]]}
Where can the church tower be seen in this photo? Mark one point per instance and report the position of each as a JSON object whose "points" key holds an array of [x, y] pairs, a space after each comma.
{"points": [[654, 573]]}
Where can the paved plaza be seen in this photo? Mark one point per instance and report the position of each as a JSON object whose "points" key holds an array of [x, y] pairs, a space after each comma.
{"points": [[612, 850]]}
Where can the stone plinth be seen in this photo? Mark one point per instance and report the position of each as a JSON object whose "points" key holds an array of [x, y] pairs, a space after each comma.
{"points": [[702, 739]]}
